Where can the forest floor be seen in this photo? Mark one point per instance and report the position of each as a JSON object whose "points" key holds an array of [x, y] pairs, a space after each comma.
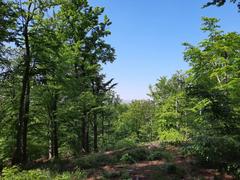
{"points": [[147, 162]]}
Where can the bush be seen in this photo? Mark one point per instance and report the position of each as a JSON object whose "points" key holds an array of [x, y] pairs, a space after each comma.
{"points": [[223, 152], [134, 155], [126, 158], [157, 154], [139, 154], [126, 143], [95, 160], [216, 149], [171, 135]]}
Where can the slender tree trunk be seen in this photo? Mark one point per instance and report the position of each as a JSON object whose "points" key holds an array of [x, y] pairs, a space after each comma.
{"points": [[95, 133], [55, 140], [103, 129], [84, 133], [50, 149], [25, 126], [53, 146], [87, 138], [20, 156]]}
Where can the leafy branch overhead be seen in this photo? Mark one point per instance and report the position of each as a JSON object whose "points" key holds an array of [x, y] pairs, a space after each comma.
{"points": [[221, 3]]}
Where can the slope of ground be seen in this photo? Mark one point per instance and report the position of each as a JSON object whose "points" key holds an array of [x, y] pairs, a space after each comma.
{"points": [[147, 162]]}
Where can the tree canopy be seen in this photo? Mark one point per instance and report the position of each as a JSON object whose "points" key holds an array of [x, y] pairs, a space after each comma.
{"points": [[57, 106]]}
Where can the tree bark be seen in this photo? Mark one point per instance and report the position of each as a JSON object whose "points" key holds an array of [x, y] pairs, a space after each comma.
{"points": [[20, 155], [53, 146], [87, 138], [103, 118], [95, 133], [84, 133]]}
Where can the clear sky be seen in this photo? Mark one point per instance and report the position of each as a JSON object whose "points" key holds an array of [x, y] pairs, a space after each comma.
{"points": [[148, 37]]}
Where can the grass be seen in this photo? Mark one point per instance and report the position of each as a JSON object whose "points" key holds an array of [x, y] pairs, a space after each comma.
{"points": [[78, 168], [17, 173]]}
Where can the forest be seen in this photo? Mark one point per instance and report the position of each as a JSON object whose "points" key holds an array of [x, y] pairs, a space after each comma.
{"points": [[61, 117]]}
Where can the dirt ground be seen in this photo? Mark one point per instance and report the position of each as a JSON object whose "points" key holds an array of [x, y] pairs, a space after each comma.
{"points": [[180, 167]]}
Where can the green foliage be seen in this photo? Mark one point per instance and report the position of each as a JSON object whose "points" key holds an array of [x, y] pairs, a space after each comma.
{"points": [[171, 135], [74, 111], [223, 149], [127, 142], [15, 172], [68, 49], [117, 174], [141, 154], [77, 174], [95, 160], [220, 3], [134, 155], [171, 110], [212, 77], [222, 152], [201, 105], [136, 124], [159, 154], [9, 172], [126, 158]]}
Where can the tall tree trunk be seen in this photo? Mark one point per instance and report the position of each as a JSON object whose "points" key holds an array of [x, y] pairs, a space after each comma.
{"points": [[87, 138], [95, 133], [103, 129], [50, 149], [20, 156], [55, 140], [84, 133], [53, 146]]}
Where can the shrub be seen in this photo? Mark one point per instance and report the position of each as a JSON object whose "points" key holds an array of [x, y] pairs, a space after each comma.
{"points": [[171, 135], [126, 143], [139, 154], [157, 154], [216, 149], [223, 152], [134, 155], [126, 158], [95, 160]]}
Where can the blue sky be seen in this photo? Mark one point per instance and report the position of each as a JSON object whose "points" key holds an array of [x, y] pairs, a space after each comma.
{"points": [[148, 37]]}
